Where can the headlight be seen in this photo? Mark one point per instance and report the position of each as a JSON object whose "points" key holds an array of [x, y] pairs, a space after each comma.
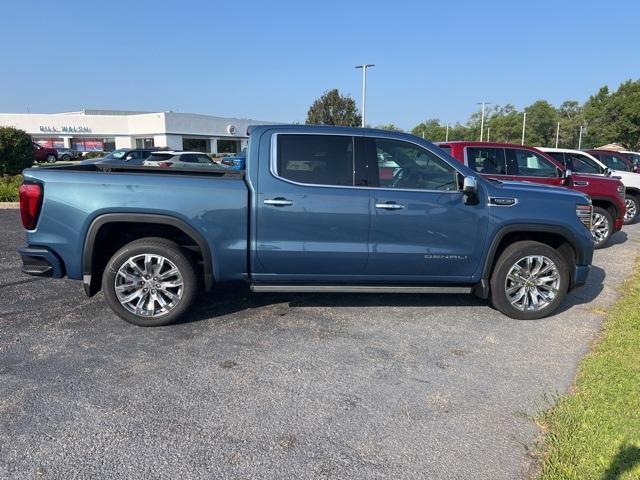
{"points": [[584, 213]]}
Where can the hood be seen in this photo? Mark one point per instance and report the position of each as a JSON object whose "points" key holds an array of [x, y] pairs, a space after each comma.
{"points": [[514, 188]]}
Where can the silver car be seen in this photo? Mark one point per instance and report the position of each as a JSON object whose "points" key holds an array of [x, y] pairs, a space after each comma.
{"points": [[173, 159]]}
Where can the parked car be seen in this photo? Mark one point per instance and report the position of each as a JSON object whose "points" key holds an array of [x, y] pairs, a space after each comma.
{"points": [[634, 158], [310, 215], [503, 161], [235, 162], [613, 159], [178, 159], [129, 156], [67, 154], [583, 162], [44, 154]]}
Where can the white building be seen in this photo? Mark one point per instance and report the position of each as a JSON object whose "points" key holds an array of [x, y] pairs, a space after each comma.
{"points": [[106, 130]]}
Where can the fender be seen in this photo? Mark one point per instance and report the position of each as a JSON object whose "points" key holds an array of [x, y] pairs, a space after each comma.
{"points": [[566, 233], [94, 228], [609, 201]]}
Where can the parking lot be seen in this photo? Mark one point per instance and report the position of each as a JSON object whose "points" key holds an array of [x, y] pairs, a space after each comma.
{"points": [[283, 386]]}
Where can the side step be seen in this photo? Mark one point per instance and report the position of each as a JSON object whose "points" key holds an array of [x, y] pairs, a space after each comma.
{"points": [[274, 287]]}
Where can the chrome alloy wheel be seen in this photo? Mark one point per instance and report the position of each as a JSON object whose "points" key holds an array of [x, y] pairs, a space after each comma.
{"points": [[599, 228], [631, 210], [149, 285], [532, 283]]}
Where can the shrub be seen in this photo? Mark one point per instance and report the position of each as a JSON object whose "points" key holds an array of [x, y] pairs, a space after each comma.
{"points": [[9, 188], [16, 151], [93, 155]]}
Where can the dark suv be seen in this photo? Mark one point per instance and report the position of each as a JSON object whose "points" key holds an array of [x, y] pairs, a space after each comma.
{"points": [[45, 154]]}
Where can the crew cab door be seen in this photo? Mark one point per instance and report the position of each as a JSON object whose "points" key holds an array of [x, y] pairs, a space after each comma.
{"points": [[421, 228], [312, 224]]}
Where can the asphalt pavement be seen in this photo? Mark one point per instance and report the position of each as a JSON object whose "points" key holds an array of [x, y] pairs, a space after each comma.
{"points": [[283, 386]]}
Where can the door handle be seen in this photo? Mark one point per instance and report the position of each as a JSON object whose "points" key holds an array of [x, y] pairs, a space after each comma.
{"points": [[279, 202], [390, 206]]}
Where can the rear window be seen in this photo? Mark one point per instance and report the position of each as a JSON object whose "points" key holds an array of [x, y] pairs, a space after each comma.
{"points": [[316, 159], [445, 148], [159, 157], [614, 162]]}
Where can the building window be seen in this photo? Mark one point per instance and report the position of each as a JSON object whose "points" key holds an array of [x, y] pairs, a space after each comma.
{"points": [[50, 142], [145, 142], [228, 146], [94, 144], [195, 144]]}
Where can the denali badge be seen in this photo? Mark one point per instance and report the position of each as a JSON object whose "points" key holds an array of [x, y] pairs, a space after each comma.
{"points": [[502, 201], [445, 257]]}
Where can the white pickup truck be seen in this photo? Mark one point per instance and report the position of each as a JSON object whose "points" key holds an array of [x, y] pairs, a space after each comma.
{"points": [[583, 162]]}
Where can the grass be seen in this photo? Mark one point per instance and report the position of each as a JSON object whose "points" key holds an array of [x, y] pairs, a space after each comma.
{"points": [[594, 433], [9, 188]]}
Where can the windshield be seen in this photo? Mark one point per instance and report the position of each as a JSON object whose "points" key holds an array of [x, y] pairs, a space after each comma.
{"points": [[117, 154]]}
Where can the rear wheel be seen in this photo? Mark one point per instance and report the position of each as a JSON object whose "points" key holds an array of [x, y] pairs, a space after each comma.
{"points": [[51, 158], [66, 157], [632, 206], [530, 281], [149, 282], [602, 227]]}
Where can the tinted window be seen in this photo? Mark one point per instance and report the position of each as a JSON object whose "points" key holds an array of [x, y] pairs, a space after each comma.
{"points": [[559, 156], [316, 159], [530, 164], [614, 162], [582, 164], [405, 165], [445, 148], [487, 160], [159, 157]]}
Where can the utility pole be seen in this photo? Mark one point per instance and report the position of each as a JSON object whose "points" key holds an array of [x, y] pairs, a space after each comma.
{"points": [[364, 67], [524, 125], [580, 138], [482, 119], [557, 134], [488, 134], [446, 134]]}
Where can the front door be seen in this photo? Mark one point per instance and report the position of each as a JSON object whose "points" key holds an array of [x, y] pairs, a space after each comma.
{"points": [[312, 224], [421, 229]]}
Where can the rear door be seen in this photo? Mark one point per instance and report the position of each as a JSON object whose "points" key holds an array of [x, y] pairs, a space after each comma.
{"points": [[421, 230], [312, 224]]}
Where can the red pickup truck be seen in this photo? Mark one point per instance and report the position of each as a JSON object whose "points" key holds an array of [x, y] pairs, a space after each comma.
{"points": [[504, 161]]}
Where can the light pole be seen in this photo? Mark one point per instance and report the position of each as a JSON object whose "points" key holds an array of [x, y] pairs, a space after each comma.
{"points": [[557, 134], [364, 67], [482, 119], [488, 133], [446, 135], [524, 125]]}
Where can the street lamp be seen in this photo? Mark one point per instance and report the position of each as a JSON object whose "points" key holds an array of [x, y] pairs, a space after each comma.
{"points": [[364, 67], [482, 118]]}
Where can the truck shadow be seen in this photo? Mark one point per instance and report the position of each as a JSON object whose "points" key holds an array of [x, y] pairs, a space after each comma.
{"points": [[618, 238], [234, 298]]}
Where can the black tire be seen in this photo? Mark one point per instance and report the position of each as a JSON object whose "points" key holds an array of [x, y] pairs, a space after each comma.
{"points": [[155, 246], [51, 158], [509, 257], [66, 157], [600, 241], [633, 200]]}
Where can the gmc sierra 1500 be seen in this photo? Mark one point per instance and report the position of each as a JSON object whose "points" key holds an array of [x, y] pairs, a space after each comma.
{"points": [[320, 209]]}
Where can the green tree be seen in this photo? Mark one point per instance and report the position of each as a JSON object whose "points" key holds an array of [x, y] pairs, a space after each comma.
{"points": [[542, 120], [505, 123], [431, 130], [622, 114], [16, 151], [332, 108], [389, 126], [599, 130]]}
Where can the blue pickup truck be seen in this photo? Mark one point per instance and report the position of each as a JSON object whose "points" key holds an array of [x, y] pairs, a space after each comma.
{"points": [[318, 209]]}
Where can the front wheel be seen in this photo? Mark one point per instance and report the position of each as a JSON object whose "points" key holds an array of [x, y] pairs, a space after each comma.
{"points": [[601, 227], [530, 281], [149, 282], [51, 158], [632, 205], [66, 157]]}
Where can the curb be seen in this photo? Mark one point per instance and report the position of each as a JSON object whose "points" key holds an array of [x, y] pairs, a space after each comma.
{"points": [[7, 205]]}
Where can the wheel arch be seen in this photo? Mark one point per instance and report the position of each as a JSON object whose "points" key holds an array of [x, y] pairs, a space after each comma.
{"points": [[91, 278], [556, 236]]}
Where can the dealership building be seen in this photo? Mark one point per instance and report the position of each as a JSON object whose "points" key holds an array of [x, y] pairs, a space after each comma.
{"points": [[107, 130]]}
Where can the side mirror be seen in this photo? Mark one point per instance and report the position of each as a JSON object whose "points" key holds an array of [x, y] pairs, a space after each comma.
{"points": [[470, 185], [567, 173]]}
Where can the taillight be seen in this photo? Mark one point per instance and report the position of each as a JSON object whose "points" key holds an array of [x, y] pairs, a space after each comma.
{"points": [[165, 164], [30, 203], [584, 213]]}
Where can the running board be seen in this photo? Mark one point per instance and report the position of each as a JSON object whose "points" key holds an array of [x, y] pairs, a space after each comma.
{"points": [[259, 287]]}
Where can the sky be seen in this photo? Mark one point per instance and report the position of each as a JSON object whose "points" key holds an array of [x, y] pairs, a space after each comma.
{"points": [[270, 59]]}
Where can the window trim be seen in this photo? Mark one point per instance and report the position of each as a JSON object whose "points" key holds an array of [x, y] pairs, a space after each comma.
{"points": [[273, 164]]}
